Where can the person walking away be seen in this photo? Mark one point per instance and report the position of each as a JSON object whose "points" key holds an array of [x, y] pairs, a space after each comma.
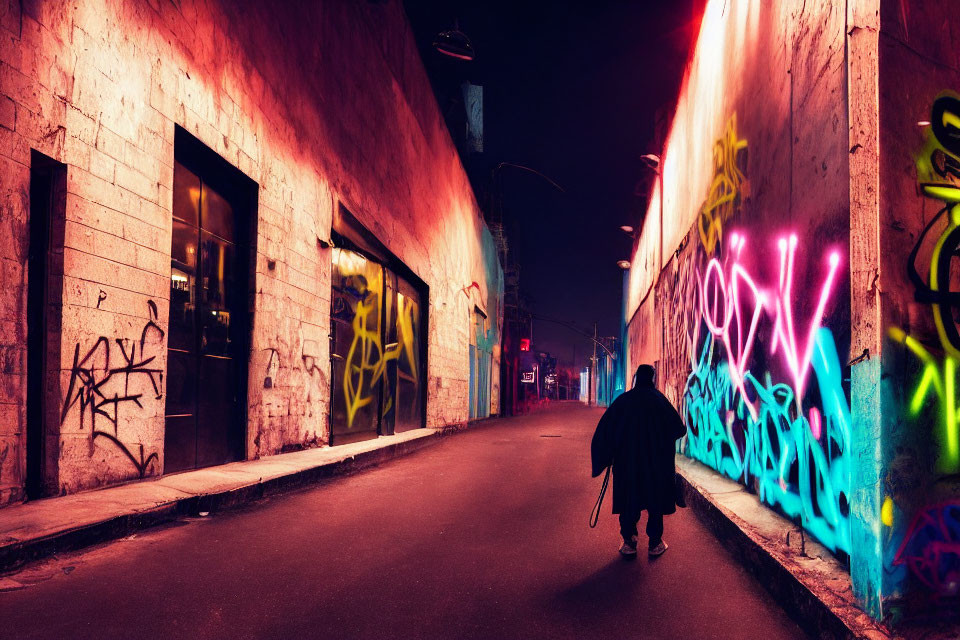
{"points": [[637, 434]]}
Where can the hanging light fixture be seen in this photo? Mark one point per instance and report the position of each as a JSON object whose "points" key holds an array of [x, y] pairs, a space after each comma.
{"points": [[454, 43], [652, 160]]}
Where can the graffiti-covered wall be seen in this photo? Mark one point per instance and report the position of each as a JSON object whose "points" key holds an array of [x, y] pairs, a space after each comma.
{"points": [[920, 277], [747, 309], [316, 107], [802, 310], [751, 308]]}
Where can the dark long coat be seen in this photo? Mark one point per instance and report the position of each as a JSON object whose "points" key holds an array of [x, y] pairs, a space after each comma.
{"points": [[638, 434]]}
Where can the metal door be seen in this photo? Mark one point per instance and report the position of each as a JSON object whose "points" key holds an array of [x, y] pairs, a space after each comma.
{"points": [[376, 350], [357, 346], [410, 370], [205, 386]]}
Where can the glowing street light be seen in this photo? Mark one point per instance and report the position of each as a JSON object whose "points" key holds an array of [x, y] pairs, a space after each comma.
{"points": [[454, 43], [652, 160]]}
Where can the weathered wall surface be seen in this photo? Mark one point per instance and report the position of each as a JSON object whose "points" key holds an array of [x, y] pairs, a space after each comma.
{"points": [[807, 321], [750, 314], [317, 104], [919, 190]]}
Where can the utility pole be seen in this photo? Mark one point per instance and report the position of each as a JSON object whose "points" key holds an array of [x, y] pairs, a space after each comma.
{"points": [[593, 368], [577, 372]]}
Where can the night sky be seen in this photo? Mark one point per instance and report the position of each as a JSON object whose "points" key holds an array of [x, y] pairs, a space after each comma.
{"points": [[572, 91]]}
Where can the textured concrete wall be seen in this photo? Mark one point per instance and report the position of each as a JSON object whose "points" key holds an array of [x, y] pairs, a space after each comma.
{"points": [[749, 318], [317, 103], [920, 483], [848, 125], [866, 384]]}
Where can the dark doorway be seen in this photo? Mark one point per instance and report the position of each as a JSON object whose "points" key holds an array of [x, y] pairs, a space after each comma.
{"points": [[48, 187], [214, 212], [378, 338]]}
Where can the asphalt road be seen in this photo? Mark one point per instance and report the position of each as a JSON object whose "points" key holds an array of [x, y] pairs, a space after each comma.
{"points": [[481, 536]]}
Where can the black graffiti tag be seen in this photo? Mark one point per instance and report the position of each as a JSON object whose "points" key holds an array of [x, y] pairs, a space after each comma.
{"points": [[91, 392]]}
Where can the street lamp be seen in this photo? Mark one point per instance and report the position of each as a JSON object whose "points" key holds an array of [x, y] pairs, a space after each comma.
{"points": [[454, 43], [630, 231], [534, 171], [496, 186]]}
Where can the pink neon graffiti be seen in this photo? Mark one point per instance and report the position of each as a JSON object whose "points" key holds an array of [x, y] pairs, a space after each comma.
{"points": [[723, 314], [783, 331], [816, 426], [732, 312]]}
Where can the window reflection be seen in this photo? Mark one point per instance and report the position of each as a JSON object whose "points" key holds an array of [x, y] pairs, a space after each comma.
{"points": [[216, 282], [183, 253], [186, 194], [216, 214]]}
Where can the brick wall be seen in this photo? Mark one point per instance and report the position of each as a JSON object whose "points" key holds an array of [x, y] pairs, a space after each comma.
{"points": [[317, 106]]}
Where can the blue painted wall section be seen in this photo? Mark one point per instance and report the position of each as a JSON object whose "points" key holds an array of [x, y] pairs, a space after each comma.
{"points": [[485, 340], [867, 569]]}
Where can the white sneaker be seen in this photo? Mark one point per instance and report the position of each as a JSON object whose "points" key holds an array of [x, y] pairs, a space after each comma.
{"points": [[629, 549], [658, 550]]}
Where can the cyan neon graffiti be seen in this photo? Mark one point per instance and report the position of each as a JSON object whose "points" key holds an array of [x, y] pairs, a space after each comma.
{"points": [[800, 463], [783, 331], [757, 431]]}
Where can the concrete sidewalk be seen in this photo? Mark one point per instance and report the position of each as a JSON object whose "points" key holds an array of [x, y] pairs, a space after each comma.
{"points": [[43, 527], [806, 579]]}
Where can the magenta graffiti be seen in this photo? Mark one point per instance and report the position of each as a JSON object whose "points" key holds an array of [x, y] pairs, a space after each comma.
{"points": [[745, 423], [723, 299], [732, 315], [931, 548], [783, 330]]}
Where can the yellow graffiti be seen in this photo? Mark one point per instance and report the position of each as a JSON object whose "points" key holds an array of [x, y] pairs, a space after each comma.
{"points": [[935, 285], [938, 176], [886, 512], [358, 361], [407, 314], [367, 358], [728, 188], [940, 381]]}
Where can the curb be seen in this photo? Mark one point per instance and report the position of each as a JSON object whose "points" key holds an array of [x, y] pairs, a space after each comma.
{"points": [[17, 554], [812, 612]]}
